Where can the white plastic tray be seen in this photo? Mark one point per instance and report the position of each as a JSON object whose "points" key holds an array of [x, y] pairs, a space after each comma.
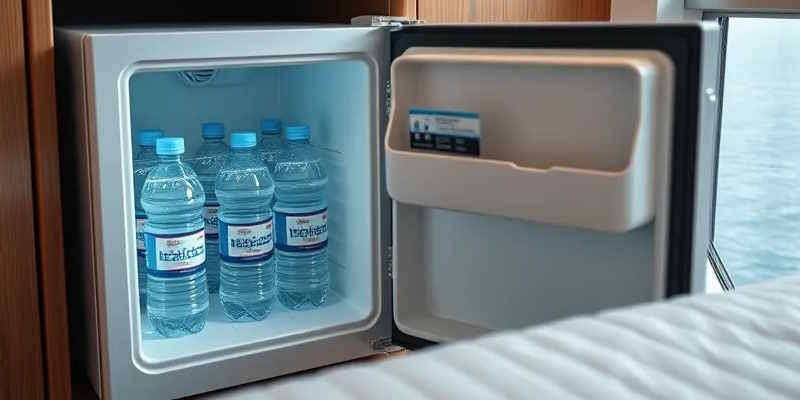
{"points": [[568, 136]]}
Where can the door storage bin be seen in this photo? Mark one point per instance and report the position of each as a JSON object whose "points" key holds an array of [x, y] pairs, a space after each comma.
{"points": [[568, 136]]}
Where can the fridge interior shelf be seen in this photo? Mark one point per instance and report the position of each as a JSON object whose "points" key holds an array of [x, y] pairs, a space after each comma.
{"points": [[568, 137], [221, 336]]}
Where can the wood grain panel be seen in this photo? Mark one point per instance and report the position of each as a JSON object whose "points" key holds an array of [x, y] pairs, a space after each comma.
{"points": [[46, 183], [403, 8], [443, 10], [20, 341], [454, 11]]}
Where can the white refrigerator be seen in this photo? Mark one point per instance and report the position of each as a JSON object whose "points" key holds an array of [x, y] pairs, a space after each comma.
{"points": [[593, 187]]}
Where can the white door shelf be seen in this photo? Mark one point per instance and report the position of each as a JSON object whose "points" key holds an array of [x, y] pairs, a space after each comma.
{"points": [[569, 137]]}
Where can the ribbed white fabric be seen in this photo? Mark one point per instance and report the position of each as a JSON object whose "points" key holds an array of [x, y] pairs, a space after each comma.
{"points": [[742, 345]]}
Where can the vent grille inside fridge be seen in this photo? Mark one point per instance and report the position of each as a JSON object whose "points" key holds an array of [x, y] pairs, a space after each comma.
{"points": [[200, 77]]}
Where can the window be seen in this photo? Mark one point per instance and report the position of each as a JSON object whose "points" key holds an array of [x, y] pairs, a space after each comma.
{"points": [[757, 217]]}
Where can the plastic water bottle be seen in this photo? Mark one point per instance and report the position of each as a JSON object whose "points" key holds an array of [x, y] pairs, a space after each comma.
{"points": [[301, 223], [172, 197], [271, 144], [247, 267], [143, 161], [207, 162]]}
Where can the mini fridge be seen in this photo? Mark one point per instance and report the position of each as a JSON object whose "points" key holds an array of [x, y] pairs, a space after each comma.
{"points": [[593, 187]]}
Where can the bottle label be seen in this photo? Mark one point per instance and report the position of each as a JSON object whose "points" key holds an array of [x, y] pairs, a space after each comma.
{"points": [[246, 242], [210, 211], [175, 253], [301, 231], [141, 248]]}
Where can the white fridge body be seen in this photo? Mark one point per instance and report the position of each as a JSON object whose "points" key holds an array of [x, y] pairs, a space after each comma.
{"points": [[582, 197]]}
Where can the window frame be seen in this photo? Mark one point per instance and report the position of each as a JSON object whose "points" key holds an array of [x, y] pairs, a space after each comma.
{"points": [[733, 6], [714, 258], [721, 11]]}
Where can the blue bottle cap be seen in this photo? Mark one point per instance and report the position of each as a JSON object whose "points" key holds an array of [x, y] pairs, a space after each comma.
{"points": [[147, 137], [243, 140], [213, 130], [169, 146], [297, 132], [270, 126]]}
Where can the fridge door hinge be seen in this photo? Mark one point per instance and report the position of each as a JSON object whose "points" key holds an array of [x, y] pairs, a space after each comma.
{"points": [[388, 97], [389, 267], [384, 345], [382, 20]]}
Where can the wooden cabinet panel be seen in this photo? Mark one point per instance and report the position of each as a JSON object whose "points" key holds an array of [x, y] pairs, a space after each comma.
{"points": [[46, 183], [513, 10], [21, 340], [403, 8]]}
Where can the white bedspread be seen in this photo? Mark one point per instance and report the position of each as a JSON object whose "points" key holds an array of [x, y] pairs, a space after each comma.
{"points": [[742, 345]]}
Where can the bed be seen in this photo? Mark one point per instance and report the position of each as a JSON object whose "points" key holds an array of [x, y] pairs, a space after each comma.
{"points": [[743, 344]]}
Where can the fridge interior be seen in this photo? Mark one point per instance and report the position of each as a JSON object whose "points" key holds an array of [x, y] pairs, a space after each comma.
{"points": [[336, 99]]}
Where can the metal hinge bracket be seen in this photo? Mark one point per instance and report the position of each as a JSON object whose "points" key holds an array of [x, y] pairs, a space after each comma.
{"points": [[385, 345], [383, 20], [389, 262], [388, 98]]}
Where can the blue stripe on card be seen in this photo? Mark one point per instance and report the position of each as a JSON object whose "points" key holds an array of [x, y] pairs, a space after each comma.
{"points": [[433, 111]]}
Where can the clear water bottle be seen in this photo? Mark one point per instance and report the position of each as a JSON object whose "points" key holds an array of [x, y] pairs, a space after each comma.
{"points": [[301, 223], [206, 163], [143, 161], [247, 267], [172, 197], [271, 144]]}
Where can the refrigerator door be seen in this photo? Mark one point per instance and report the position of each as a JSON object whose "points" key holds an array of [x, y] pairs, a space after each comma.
{"points": [[122, 80], [593, 183]]}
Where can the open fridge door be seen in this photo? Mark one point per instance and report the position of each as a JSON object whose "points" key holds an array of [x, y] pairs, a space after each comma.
{"points": [[543, 171]]}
